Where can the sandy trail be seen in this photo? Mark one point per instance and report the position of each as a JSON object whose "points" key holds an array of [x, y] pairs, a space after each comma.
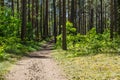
{"points": [[38, 66]]}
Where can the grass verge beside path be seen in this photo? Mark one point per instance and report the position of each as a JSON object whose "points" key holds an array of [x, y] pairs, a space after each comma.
{"points": [[4, 68], [92, 67]]}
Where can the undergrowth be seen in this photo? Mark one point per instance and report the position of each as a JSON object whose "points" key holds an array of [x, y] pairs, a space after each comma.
{"points": [[11, 46], [91, 43], [10, 42], [12, 49]]}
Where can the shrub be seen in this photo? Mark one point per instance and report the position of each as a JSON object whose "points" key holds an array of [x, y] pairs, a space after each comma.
{"points": [[9, 25], [91, 43]]}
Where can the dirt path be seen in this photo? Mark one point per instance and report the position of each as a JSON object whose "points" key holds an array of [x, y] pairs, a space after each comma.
{"points": [[38, 66]]}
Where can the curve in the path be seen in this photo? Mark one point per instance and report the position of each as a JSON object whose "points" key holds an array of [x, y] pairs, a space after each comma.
{"points": [[37, 66]]}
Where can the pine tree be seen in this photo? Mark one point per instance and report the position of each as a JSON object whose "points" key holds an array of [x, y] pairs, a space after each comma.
{"points": [[64, 44], [23, 28]]}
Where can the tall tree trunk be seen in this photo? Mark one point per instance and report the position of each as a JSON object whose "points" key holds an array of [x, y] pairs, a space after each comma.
{"points": [[12, 7], [69, 10], [33, 17], [46, 18], [97, 30], [72, 11], [105, 16], [115, 15], [60, 16], [23, 28], [79, 14], [55, 28], [111, 18], [18, 5], [29, 18], [101, 17], [91, 15], [41, 18], [118, 16], [84, 19], [64, 44], [36, 23], [75, 13]]}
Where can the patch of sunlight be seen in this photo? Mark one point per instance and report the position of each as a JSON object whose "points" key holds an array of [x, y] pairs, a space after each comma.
{"points": [[97, 67]]}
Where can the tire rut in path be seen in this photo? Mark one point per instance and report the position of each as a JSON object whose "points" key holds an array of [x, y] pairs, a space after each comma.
{"points": [[37, 66]]}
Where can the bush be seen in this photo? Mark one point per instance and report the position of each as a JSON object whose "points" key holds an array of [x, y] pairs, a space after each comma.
{"points": [[9, 25], [3, 55], [91, 43], [71, 31]]}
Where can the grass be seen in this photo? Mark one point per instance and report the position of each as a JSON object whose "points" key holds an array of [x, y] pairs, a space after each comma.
{"points": [[4, 68], [92, 67]]}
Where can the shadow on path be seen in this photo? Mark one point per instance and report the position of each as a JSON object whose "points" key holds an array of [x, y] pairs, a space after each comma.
{"points": [[44, 52]]}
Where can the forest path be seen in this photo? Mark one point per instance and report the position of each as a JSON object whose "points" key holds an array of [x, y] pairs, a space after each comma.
{"points": [[37, 66]]}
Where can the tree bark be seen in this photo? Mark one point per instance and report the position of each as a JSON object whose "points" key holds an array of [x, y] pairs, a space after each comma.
{"points": [[23, 28], [64, 44], [111, 19], [12, 7], [55, 28]]}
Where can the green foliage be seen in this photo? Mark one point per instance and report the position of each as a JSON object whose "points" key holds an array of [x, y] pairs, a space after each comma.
{"points": [[91, 43], [59, 41], [10, 43], [13, 46], [9, 25], [71, 31], [95, 43], [1, 53], [19, 48]]}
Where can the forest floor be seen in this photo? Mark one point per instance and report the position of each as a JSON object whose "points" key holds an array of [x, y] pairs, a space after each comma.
{"points": [[50, 64], [37, 66], [89, 67]]}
